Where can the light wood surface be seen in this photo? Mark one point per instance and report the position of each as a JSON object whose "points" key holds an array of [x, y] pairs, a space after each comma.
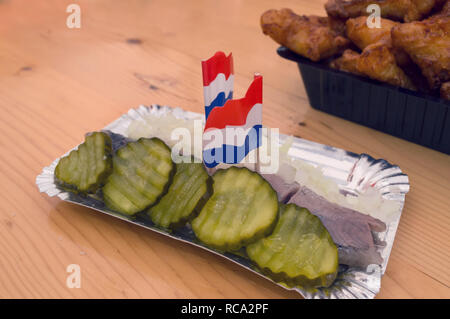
{"points": [[58, 83]]}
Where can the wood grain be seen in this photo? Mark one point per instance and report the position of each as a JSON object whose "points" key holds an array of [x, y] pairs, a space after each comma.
{"points": [[57, 84]]}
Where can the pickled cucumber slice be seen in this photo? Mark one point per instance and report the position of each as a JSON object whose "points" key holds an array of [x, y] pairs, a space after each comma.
{"points": [[188, 188], [85, 169], [141, 173], [299, 252], [242, 209]]}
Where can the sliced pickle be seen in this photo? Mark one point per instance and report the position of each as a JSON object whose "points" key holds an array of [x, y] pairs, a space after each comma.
{"points": [[242, 209], [188, 190], [85, 169], [141, 174], [299, 252]]}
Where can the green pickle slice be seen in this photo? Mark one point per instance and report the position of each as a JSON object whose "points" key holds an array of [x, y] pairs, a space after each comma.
{"points": [[85, 169], [189, 186], [141, 173], [299, 252], [242, 209]]}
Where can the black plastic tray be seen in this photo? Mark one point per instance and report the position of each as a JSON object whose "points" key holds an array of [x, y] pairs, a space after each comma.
{"points": [[413, 116]]}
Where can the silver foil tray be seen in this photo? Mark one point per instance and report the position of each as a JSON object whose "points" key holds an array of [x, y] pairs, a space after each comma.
{"points": [[352, 172]]}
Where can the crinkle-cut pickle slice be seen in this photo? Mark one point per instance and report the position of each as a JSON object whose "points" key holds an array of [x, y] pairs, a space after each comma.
{"points": [[242, 209], [299, 252], [188, 189], [85, 169], [141, 173]]}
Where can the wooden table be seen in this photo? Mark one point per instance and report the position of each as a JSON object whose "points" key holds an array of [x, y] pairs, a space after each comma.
{"points": [[58, 83]]}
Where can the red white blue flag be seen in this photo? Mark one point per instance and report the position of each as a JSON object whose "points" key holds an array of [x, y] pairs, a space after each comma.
{"points": [[218, 81], [240, 119]]}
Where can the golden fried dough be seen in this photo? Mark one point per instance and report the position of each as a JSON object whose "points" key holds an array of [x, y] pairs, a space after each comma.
{"points": [[363, 36], [337, 25], [377, 61], [309, 36], [427, 42], [402, 10], [416, 76], [348, 62], [445, 11], [413, 55], [445, 91]]}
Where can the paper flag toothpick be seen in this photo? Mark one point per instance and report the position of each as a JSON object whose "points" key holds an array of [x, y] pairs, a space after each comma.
{"points": [[218, 81], [239, 119]]}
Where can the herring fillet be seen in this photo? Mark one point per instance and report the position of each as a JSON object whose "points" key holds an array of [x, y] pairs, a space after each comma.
{"points": [[299, 252], [284, 190], [351, 230]]}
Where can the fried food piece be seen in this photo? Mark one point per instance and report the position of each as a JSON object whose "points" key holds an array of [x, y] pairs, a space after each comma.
{"points": [[348, 62], [299, 252], [445, 91], [309, 36], [424, 8], [445, 10], [401, 10], [363, 36], [427, 44], [85, 169], [377, 61], [337, 25], [415, 74], [446, 7]]}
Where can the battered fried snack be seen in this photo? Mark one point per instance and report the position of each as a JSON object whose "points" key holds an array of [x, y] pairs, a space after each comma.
{"points": [[85, 169], [445, 91], [309, 36], [142, 171], [446, 8], [444, 11], [427, 44], [348, 62], [413, 55], [401, 10], [362, 36], [299, 252], [415, 74], [377, 61], [337, 25]]}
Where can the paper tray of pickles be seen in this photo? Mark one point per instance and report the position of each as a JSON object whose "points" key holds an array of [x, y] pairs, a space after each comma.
{"points": [[324, 225]]}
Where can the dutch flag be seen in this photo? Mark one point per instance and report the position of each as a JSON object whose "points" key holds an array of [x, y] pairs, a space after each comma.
{"points": [[218, 81], [237, 122]]}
